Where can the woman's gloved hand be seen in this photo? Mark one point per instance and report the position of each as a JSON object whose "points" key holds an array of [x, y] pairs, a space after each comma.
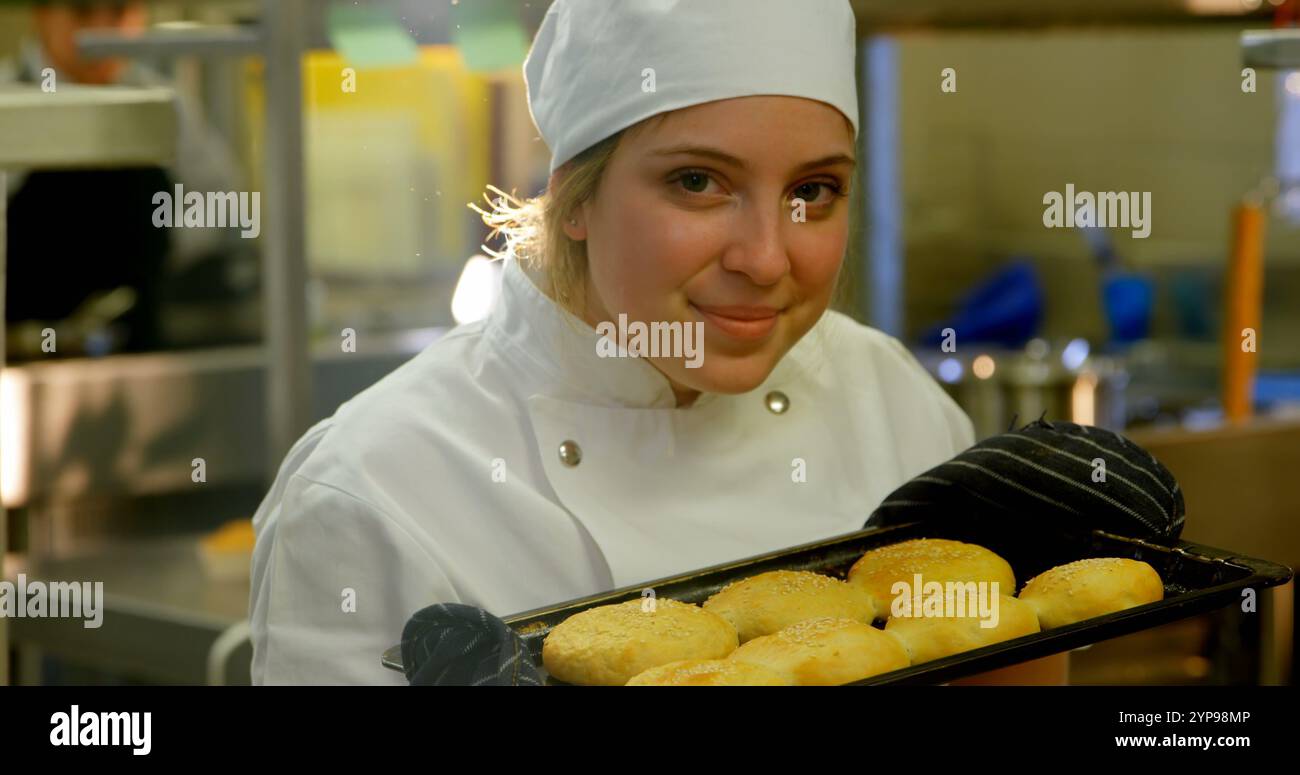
{"points": [[1054, 476], [450, 644]]}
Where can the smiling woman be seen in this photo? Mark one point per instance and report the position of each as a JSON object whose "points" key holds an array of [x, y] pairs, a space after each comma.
{"points": [[511, 465], [690, 217]]}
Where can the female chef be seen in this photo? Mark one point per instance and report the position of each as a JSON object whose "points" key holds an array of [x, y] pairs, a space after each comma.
{"points": [[702, 158]]}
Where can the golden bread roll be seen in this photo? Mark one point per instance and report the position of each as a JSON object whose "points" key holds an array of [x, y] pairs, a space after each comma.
{"points": [[933, 637], [762, 604], [934, 559], [607, 645], [1094, 587], [710, 672], [825, 652]]}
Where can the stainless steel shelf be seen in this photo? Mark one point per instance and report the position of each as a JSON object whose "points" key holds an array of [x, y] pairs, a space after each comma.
{"points": [[1271, 49], [167, 42], [86, 126], [280, 39]]}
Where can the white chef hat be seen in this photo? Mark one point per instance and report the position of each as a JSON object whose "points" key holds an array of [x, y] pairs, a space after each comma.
{"points": [[586, 72]]}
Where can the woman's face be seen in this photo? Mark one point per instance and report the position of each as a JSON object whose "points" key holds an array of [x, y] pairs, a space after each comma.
{"points": [[696, 221]]}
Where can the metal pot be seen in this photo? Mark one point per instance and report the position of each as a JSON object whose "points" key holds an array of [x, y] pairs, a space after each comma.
{"points": [[1000, 388]]}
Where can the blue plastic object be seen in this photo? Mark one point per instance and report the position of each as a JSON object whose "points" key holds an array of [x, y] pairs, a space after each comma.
{"points": [[1006, 309], [1128, 299], [1277, 387]]}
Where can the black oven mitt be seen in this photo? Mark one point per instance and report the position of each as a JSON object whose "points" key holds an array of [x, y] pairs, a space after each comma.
{"points": [[1053, 476], [450, 644]]}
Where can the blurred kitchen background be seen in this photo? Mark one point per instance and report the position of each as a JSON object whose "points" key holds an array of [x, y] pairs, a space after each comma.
{"points": [[136, 444]]}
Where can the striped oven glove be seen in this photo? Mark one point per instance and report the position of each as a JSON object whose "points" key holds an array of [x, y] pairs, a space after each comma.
{"points": [[450, 644], [1054, 476]]}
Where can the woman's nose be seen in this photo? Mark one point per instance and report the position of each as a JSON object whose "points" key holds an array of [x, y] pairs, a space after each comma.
{"points": [[759, 250]]}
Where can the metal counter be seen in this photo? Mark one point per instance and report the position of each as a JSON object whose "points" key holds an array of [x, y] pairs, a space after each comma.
{"points": [[163, 617]]}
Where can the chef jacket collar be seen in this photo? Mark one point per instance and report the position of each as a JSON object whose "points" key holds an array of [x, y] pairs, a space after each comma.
{"points": [[562, 347]]}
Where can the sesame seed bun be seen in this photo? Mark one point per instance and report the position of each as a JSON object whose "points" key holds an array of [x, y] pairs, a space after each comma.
{"points": [[607, 645], [1094, 587], [933, 637], [935, 559], [825, 652], [710, 672], [761, 605]]}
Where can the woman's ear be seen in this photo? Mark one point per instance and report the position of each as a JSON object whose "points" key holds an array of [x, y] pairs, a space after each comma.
{"points": [[575, 227]]}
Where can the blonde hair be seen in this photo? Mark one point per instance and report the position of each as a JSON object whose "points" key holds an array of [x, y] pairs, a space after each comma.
{"points": [[533, 228]]}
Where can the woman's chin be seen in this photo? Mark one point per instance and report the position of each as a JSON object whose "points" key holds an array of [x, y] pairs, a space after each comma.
{"points": [[730, 376]]}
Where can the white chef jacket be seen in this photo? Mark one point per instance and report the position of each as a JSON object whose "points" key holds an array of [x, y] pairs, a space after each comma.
{"points": [[443, 482]]}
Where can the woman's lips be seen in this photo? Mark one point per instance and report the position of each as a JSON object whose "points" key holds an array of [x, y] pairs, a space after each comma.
{"points": [[740, 322]]}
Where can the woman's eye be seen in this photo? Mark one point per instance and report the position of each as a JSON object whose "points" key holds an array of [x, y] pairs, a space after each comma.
{"points": [[817, 192], [694, 182], [809, 192]]}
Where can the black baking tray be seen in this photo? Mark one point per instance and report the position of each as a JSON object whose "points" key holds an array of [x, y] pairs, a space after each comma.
{"points": [[1197, 579]]}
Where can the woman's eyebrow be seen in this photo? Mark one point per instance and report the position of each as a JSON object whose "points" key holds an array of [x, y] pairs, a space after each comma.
{"points": [[726, 158]]}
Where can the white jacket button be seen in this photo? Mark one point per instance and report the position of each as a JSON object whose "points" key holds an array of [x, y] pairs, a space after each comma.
{"points": [[777, 402], [570, 453]]}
